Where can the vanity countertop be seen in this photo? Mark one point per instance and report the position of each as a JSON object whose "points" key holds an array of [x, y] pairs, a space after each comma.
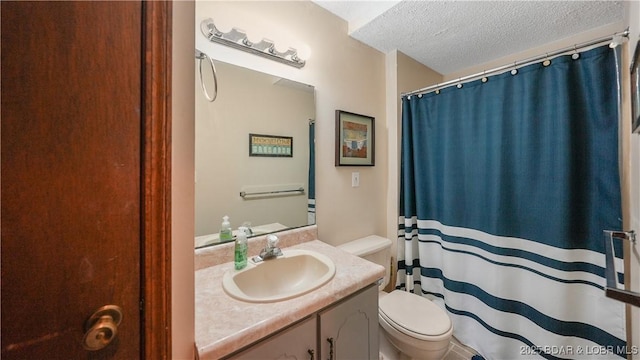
{"points": [[224, 324]]}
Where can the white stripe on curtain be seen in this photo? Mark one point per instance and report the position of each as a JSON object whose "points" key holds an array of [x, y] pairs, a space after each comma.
{"points": [[559, 254], [542, 288]]}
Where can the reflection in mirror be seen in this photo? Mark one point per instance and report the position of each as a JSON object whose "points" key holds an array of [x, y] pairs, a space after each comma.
{"points": [[257, 184]]}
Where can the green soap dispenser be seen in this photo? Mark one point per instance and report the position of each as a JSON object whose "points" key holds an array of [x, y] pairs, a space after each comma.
{"points": [[240, 260], [225, 230]]}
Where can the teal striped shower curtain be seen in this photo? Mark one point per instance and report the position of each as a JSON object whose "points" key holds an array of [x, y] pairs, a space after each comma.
{"points": [[506, 188]]}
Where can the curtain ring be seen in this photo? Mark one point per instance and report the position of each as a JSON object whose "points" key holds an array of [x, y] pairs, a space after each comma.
{"points": [[515, 70], [459, 86], [484, 77], [576, 54]]}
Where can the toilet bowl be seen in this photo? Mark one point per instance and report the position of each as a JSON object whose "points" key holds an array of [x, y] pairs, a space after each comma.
{"points": [[413, 324]]}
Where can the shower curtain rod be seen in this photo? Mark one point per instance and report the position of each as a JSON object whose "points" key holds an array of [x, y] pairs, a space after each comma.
{"points": [[515, 64]]}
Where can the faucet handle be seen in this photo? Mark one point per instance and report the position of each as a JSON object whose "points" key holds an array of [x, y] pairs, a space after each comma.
{"points": [[272, 241], [247, 228]]}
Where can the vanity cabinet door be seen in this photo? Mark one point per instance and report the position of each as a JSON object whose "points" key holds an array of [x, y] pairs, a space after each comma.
{"points": [[297, 342], [349, 330]]}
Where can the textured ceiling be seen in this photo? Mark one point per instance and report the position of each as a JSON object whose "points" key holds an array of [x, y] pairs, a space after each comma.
{"points": [[450, 36]]}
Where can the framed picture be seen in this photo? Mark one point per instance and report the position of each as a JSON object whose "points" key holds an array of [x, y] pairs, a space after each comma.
{"points": [[355, 139], [270, 145], [635, 90]]}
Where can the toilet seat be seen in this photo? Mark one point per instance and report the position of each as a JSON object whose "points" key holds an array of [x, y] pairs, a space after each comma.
{"points": [[415, 316]]}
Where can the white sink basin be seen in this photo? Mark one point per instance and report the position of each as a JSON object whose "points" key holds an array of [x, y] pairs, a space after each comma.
{"points": [[294, 273]]}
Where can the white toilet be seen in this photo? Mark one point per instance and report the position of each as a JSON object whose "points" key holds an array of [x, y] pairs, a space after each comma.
{"points": [[414, 325]]}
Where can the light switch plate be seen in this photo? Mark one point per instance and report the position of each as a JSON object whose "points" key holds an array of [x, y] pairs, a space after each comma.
{"points": [[355, 179]]}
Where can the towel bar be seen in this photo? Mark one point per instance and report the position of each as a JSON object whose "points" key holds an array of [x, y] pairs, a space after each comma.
{"points": [[244, 193], [611, 289]]}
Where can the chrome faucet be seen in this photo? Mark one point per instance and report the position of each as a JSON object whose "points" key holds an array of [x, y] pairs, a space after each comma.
{"points": [[271, 251]]}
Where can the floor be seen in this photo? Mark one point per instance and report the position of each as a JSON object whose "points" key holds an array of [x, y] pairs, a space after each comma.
{"points": [[457, 351]]}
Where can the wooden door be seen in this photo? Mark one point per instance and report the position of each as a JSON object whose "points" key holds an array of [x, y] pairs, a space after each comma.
{"points": [[77, 163]]}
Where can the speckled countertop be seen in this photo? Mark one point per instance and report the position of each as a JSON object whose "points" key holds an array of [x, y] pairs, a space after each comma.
{"points": [[224, 324]]}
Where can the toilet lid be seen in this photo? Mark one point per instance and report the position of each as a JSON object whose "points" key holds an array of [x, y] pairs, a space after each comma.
{"points": [[412, 313]]}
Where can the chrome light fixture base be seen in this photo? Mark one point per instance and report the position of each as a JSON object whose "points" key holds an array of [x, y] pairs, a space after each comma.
{"points": [[238, 39]]}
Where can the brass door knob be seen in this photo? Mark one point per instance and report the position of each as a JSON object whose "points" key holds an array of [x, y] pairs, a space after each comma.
{"points": [[102, 327]]}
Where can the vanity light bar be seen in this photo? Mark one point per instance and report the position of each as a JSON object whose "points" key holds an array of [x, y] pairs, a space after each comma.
{"points": [[238, 39]]}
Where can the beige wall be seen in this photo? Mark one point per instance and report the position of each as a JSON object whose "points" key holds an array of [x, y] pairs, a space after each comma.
{"points": [[250, 102], [346, 74], [404, 74]]}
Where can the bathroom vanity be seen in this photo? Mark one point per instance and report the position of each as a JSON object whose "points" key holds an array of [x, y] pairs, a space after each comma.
{"points": [[348, 330], [337, 320]]}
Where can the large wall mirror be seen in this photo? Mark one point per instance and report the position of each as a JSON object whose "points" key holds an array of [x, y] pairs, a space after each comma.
{"points": [[254, 153]]}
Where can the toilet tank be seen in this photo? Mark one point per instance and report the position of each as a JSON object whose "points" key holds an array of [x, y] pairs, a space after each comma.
{"points": [[373, 248]]}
